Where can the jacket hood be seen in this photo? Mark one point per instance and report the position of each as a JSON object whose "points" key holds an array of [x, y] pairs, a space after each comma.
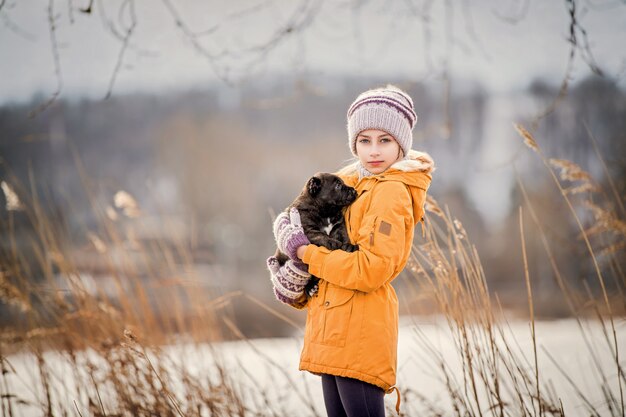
{"points": [[415, 172]]}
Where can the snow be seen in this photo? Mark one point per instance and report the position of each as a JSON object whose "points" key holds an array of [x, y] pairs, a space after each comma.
{"points": [[265, 371]]}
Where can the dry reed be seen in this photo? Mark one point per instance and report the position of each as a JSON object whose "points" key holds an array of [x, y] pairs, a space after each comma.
{"points": [[114, 342]]}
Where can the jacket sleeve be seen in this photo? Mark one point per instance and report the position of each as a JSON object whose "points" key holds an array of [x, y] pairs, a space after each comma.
{"points": [[382, 240]]}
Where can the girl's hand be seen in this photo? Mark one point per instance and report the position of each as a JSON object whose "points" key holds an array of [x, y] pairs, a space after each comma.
{"points": [[289, 233], [289, 281], [300, 251]]}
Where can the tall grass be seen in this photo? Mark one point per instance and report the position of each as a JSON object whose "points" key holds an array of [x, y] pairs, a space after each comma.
{"points": [[97, 352], [498, 377], [109, 342]]}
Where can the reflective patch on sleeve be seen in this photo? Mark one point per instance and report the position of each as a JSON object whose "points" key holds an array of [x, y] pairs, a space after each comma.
{"points": [[385, 228]]}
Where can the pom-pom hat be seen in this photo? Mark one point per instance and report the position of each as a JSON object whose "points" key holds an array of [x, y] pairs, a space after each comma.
{"points": [[389, 109]]}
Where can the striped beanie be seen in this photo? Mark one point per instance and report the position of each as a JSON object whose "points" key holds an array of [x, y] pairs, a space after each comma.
{"points": [[389, 109]]}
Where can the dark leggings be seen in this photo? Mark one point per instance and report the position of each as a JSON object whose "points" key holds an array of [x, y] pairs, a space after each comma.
{"points": [[348, 397]]}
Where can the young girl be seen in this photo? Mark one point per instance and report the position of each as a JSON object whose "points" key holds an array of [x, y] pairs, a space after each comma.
{"points": [[351, 334]]}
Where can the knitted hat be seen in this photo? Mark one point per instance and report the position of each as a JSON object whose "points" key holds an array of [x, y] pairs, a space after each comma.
{"points": [[389, 109]]}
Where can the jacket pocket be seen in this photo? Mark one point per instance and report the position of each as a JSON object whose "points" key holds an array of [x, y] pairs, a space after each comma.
{"points": [[338, 304], [315, 315]]}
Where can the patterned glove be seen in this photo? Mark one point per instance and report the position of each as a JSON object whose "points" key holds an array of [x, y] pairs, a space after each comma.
{"points": [[289, 281], [289, 233]]}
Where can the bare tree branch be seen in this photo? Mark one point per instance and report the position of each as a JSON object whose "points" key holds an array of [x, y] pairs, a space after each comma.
{"points": [[130, 5], [471, 31], [188, 33], [301, 19], [232, 17], [14, 27], [118, 34], [70, 11], [233, 59], [57, 62], [573, 40], [605, 4], [88, 9], [588, 55]]}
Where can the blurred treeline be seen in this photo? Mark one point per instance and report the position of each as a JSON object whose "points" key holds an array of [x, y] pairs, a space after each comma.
{"points": [[209, 168]]}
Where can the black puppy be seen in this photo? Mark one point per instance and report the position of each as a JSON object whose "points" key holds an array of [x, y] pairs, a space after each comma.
{"points": [[321, 205]]}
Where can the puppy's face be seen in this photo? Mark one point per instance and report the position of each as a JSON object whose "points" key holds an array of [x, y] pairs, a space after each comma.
{"points": [[330, 191]]}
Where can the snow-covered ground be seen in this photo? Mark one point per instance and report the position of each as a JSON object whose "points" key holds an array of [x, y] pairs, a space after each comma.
{"points": [[265, 371]]}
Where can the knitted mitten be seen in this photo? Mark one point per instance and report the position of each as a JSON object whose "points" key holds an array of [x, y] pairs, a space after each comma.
{"points": [[289, 233], [289, 281]]}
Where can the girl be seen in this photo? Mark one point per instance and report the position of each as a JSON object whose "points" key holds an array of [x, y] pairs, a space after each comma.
{"points": [[351, 334]]}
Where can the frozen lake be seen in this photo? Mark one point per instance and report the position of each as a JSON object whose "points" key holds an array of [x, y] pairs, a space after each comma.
{"points": [[265, 371]]}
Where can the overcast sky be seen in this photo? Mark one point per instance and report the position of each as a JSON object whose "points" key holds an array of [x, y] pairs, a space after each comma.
{"points": [[379, 38]]}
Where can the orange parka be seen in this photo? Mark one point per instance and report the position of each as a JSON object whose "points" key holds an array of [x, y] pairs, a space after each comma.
{"points": [[352, 322]]}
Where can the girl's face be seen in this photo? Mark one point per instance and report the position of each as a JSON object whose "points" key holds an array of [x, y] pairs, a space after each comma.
{"points": [[377, 150]]}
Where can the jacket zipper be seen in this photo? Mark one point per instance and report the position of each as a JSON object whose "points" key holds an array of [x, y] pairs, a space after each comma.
{"points": [[372, 233]]}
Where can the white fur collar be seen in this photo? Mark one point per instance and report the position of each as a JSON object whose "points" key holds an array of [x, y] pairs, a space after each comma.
{"points": [[415, 161]]}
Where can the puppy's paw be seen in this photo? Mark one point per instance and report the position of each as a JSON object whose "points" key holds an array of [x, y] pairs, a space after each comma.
{"points": [[348, 247], [312, 287], [333, 244], [311, 292]]}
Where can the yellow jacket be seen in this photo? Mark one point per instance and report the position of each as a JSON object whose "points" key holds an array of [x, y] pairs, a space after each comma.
{"points": [[352, 322]]}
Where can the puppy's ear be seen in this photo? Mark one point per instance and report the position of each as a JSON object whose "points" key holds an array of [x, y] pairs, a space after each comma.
{"points": [[314, 186]]}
